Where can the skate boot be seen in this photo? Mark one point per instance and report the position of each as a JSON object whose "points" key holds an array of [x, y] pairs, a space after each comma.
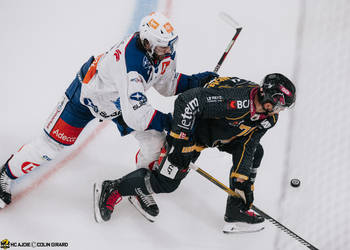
{"points": [[238, 221], [146, 205], [5, 188], [106, 196]]}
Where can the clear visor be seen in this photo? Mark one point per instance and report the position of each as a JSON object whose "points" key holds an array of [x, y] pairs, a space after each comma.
{"points": [[279, 102], [166, 50]]}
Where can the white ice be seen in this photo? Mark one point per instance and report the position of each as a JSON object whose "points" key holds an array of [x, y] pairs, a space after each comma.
{"points": [[43, 44]]}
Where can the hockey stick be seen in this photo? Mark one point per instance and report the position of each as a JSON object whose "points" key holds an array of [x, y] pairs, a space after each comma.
{"points": [[254, 208], [229, 20]]}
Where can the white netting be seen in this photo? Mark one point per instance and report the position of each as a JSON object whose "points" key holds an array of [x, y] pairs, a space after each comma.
{"points": [[319, 145]]}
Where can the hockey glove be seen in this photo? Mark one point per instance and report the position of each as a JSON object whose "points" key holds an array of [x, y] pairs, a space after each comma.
{"points": [[180, 153], [173, 163], [246, 190], [167, 121], [201, 79]]}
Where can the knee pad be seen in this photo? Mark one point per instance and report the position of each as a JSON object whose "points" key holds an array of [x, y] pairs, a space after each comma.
{"points": [[31, 155], [151, 143]]}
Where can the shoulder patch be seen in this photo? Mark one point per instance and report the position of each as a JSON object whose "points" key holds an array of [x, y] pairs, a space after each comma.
{"points": [[266, 124]]}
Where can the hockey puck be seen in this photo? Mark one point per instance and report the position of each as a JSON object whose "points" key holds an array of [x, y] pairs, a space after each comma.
{"points": [[295, 182]]}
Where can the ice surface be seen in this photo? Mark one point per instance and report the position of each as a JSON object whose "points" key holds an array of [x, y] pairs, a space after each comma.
{"points": [[43, 44]]}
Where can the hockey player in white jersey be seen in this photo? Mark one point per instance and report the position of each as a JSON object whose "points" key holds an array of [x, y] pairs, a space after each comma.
{"points": [[112, 86]]}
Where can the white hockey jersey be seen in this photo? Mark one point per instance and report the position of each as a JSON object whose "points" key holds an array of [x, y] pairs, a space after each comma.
{"points": [[117, 80]]}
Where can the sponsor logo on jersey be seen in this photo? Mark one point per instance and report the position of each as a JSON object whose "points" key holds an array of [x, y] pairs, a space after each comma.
{"points": [[214, 99], [232, 104], [64, 133], [46, 158], [140, 98], [60, 135], [28, 166], [114, 114], [88, 102], [187, 115], [238, 104], [243, 104], [265, 124], [117, 55]]}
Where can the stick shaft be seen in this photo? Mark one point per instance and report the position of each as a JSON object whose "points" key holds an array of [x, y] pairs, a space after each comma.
{"points": [[227, 50]]}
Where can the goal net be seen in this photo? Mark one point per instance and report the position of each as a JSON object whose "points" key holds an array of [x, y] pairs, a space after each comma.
{"points": [[319, 140]]}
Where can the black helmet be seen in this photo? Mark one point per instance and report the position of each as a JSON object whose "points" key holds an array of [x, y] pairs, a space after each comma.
{"points": [[277, 90]]}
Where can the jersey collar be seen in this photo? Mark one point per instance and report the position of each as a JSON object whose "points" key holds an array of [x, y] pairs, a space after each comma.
{"points": [[254, 116]]}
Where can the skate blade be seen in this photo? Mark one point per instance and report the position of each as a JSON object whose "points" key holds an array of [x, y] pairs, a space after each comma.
{"points": [[96, 197], [2, 204], [136, 204], [239, 227]]}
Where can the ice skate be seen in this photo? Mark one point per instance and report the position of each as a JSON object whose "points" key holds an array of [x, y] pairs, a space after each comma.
{"points": [[244, 222], [146, 205], [106, 196], [5, 188], [238, 221]]}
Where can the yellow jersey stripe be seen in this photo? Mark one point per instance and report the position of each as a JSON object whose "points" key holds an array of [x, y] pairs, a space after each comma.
{"points": [[240, 161]]}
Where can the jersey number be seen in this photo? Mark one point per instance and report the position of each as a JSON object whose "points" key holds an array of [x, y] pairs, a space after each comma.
{"points": [[245, 130]]}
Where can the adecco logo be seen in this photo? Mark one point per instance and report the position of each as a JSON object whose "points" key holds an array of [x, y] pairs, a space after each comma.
{"points": [[63, 137]]}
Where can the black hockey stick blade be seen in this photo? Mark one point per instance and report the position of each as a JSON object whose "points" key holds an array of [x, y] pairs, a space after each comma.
{"points": [[283, 228]]}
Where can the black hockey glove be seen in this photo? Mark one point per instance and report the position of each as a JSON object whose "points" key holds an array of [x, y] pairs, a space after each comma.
{"points": [[166, 122], [173, 162], [246, 190], [200, 79], [179, 152]]}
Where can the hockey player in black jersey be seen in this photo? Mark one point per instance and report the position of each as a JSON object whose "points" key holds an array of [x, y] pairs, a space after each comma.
{"points": [[231, 114]]}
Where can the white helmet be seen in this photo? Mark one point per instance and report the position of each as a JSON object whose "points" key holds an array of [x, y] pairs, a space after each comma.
{"points": [[158, 31]]}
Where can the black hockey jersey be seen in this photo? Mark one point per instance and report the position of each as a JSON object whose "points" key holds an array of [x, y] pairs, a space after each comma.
{"points": [[223, 115]]}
